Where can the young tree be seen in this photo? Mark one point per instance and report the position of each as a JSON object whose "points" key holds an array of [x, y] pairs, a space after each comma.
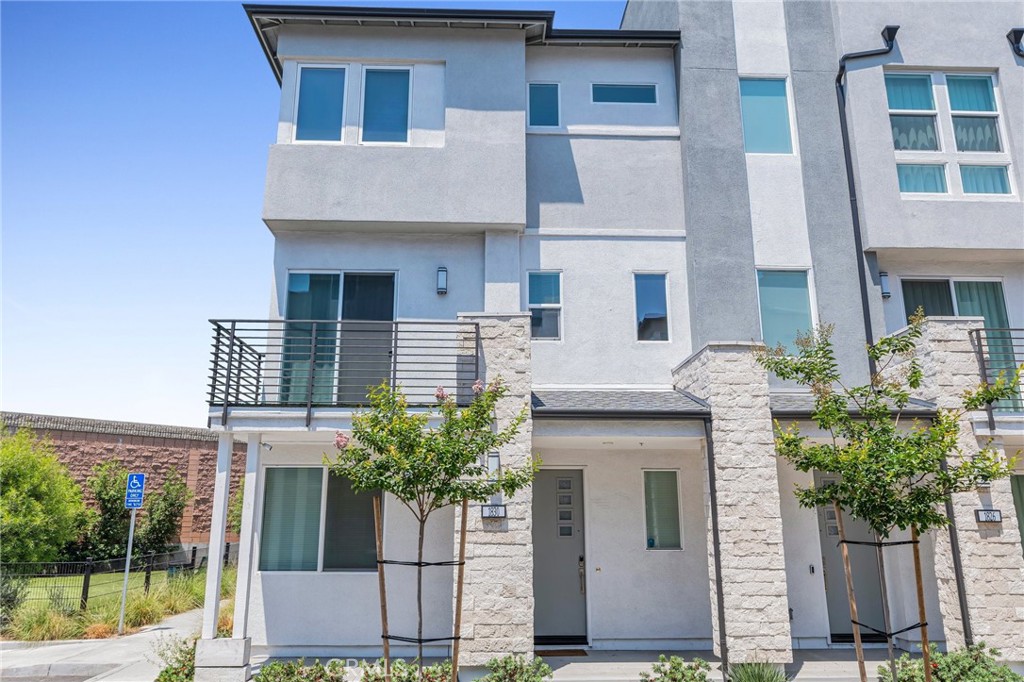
{"points": [[41, 508], [889, 473], [428, 468]]}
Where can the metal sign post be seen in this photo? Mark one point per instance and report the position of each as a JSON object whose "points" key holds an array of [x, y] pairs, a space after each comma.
{"points": [[133, 495]]}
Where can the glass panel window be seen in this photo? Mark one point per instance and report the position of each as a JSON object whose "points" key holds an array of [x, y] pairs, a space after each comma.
{"points": [[985, 179], [543, 104], [545, 304], [909, 92], [971, 93], [914, 132], [350, 542], [661, 507], [310, 297], [765, 114], [982, 299], [921, 178], [651, 307], [321, 104], [976, 133], [386, 105], [785, 306], [931, 295], [290, 534], [621, 93]]}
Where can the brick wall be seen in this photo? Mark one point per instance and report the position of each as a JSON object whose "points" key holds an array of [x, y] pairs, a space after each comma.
{"points": [[195, 461]]}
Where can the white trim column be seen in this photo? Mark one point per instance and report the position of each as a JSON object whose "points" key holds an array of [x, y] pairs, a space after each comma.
{"points": [[243, 583], [218, 528]]}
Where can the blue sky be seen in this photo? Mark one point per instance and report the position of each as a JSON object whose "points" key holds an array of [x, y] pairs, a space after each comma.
{"points": [[133, 151]]}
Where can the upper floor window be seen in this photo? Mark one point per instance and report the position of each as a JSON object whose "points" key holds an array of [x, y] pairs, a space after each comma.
{"points": [[956, 298], [651, 306], [947, 121], [764, 109], [386, 105], [624, 93], [544, 110], [545, 303], [785, 304], [321, 103]]}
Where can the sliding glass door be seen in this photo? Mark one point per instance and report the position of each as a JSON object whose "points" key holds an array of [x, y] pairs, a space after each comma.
{"points": [[307, 368]]}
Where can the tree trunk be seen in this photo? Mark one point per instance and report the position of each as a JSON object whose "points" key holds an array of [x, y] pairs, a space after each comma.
{"points": [[857, 644], [379, 531], [458, 593], [419, 599], [885, 606], [925, 652]]}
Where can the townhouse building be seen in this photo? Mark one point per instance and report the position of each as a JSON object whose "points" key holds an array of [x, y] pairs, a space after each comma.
{"points": [[611, 221]]}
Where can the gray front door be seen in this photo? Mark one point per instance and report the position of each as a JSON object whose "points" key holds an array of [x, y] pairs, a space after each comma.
{"points": [[559, 568], [864, 566]]}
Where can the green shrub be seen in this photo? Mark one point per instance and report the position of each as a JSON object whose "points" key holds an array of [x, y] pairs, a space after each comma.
{"points": [[756, 671], [675, 669], [178, 656], [38, 621], [976, 663], [402, 671], [13, 590], [142, 609], [298, 671], [517, 669], [41, 508], [227, 582]]}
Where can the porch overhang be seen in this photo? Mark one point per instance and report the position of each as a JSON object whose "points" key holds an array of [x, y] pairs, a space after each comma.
{"points": [[800, 404], [612, 404]]}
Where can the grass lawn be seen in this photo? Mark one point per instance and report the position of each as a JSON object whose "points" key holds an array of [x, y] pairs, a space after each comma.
{"points": [[67, 589]]}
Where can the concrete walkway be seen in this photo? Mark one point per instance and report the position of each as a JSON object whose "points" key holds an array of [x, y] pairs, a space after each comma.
{"points": [[122, 659]]}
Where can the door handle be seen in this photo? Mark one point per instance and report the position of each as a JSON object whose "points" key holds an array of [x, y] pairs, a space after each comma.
{"points": [[583, 575]]}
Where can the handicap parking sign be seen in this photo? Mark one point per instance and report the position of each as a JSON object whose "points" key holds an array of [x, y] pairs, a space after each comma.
{"points": [[135, 491]]}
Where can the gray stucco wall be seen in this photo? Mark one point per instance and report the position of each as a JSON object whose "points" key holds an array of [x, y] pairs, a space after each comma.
{"points": [[477, 177]]}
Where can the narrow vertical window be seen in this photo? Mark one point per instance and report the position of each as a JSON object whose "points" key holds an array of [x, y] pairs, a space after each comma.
{"points": [[543, 104], [785, 306], [349, 536], [290, 534], [386, 105], [972, 104], [911, 112], [545, 304], [321, 104], [661, 506], [765, 113], [651, 307]]}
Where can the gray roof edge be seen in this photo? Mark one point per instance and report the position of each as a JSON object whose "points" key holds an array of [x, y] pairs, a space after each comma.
{"points": [[48, 422]]}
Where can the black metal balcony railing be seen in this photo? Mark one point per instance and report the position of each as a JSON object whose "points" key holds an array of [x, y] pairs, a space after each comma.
{"points": [[334, 363], [1000, 351]]}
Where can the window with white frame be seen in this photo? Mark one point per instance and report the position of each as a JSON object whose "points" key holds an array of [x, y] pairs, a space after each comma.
{"points": [[661, 510], [949, 297], [385, 105], [543, 105], [624, 93], [321, 103], [545, 304], [785, 305], [321, 107], [651, 299], [297, 503], [764, 110], [947, 134]]}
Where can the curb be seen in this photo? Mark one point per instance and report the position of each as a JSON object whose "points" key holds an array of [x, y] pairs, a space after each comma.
{"points": [[57, 670]]}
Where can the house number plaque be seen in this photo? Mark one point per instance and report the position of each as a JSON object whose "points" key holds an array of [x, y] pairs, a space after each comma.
{"points": [[492, 511], [988, 515]]}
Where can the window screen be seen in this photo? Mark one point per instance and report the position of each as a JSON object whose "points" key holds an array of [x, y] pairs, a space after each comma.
{"points": [[661, 503]]}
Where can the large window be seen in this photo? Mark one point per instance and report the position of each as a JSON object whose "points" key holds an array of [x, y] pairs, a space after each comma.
{"points": [[946, 134], [386, 105], [295, 509], [661, 509], [543, 104], [623, 93], [785, 304], [545, 303], [765, 112], [959, 298], [651, 307], [321, 103]]}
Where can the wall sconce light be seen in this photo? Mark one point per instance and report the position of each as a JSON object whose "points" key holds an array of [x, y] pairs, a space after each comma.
{"points": [[442, 281], [883, 280], [1016, 36]]}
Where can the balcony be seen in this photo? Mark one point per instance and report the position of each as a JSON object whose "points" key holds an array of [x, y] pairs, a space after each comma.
{"points": [[1000, 351], [308, 364]]}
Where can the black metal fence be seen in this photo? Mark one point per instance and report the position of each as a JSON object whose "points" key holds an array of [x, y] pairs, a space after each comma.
{"points": [[333, 363], [1000, 351], [71, 585]]}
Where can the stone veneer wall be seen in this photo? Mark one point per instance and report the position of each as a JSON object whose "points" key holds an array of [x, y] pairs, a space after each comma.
{"points": [[497, 616], [992, 562], [195, 460], [749, 513]]}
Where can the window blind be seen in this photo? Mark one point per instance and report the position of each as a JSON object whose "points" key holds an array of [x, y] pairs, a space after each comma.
{"points": [[290, 536]]}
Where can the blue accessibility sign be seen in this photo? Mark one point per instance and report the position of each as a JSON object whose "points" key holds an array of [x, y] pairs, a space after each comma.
{"points": [[135, 491]]}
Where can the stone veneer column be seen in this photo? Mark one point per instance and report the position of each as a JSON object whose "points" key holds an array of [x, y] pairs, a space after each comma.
{"points": [[497, 615], [992, 563], [747, 488]]}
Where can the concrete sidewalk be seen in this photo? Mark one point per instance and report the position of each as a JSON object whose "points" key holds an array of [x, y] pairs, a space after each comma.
{"points": [[122, 659]]}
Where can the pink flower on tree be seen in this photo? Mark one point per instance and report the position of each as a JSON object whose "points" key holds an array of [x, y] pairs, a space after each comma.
{"points": [[440, 394], [478, 387], [341, 440]]}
